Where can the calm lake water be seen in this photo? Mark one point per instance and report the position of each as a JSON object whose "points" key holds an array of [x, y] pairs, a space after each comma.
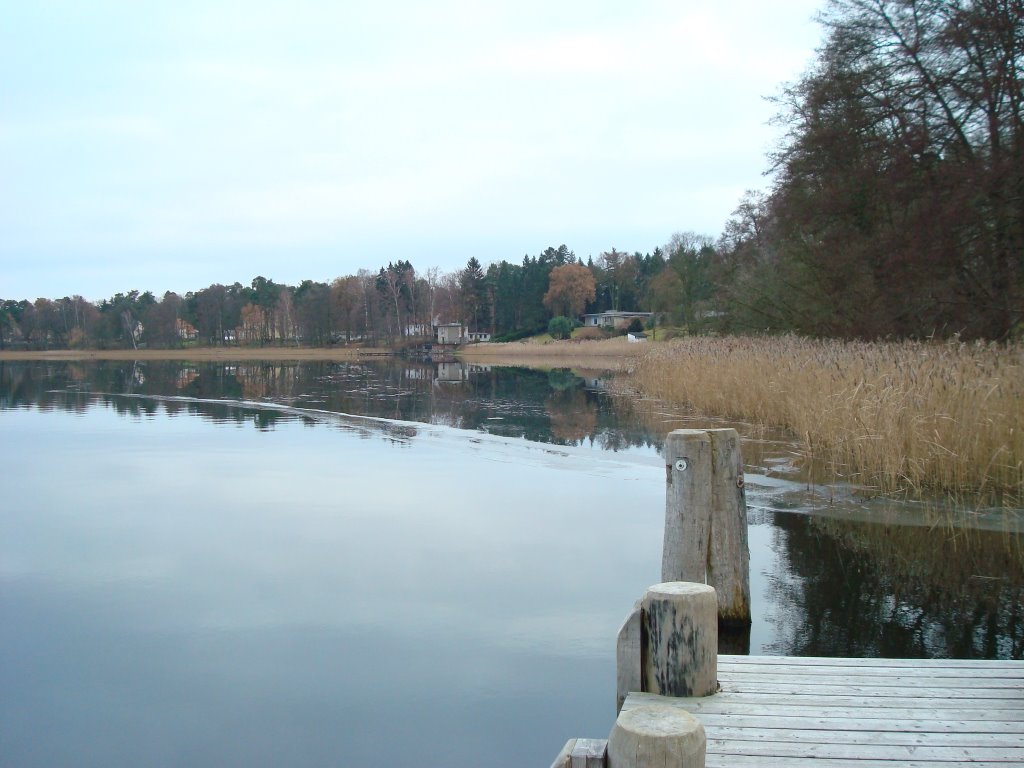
{"points": [[400, 564]]}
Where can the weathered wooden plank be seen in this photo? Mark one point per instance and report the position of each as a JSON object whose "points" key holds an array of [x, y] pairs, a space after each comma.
{"points": [[887, 679], [867, 707], [588, 753], [967, 729], [762, 761], [883, 707], [893, 680], [861, 708], [881, 693], [962, 689], [815, 661], [903, 682], [1012, 709], [735, 731], [901, 753], [939, 674], [955, 665]]}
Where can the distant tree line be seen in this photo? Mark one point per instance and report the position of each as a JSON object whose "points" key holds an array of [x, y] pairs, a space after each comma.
{"points": [[896, 209], [391, 306]]}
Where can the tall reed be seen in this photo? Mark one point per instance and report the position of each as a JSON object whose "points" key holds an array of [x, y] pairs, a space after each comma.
{"points": [[919, 417]]}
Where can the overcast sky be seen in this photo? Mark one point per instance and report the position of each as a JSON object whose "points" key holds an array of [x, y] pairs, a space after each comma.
{"points": [[170, 145]]}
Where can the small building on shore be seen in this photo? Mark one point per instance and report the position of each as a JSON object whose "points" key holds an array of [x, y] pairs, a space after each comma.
{"points": [[449, 333], [615, 320], [457, 333]]}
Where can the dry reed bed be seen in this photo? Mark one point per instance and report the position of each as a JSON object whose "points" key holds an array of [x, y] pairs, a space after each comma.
{"points": [[919, 417]]}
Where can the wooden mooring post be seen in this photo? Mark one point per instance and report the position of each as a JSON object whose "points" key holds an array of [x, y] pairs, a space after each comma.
{"points": [[667, 646], [679, 646], [706, 518], [656, 736]]}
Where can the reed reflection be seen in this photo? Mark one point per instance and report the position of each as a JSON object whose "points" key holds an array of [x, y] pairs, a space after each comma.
{"points": [[869, 590]]}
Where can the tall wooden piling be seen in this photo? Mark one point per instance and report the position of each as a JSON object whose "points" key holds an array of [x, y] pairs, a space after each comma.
{"points": [[729, 558], [684, 556], [706, 518]]}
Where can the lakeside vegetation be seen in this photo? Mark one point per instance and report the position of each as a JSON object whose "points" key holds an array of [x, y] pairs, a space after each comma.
{"points": [[908, 417], [893, 417]]}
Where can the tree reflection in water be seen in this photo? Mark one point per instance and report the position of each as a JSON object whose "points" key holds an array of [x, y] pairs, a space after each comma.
{"points": [[839, 588], [872, 590]]}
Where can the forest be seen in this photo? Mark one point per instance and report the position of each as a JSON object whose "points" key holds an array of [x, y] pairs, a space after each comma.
{"points": [[390, 307], [894, 209]]}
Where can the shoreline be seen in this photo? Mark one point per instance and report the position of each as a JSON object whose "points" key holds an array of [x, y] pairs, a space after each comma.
{"points": [[610, 355], [197, 354]]}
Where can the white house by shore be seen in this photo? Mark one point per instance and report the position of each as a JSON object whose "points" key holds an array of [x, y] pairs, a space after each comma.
{"points": [[615, 319], [457, 333]]}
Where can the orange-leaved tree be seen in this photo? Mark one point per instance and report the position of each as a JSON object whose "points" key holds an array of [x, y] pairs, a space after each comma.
{"points": [[570, 287]]}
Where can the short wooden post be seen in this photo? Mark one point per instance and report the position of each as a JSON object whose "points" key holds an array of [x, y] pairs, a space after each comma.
{"points": [[628, 645], [680, 639], [706, 518], [655, 737]]}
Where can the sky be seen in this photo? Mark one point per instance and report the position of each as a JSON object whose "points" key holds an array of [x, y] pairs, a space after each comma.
{"points": [[168, 146]]}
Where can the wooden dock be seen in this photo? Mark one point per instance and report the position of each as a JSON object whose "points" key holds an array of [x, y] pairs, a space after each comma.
{"points": [[774, 711], [859, 713]]}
